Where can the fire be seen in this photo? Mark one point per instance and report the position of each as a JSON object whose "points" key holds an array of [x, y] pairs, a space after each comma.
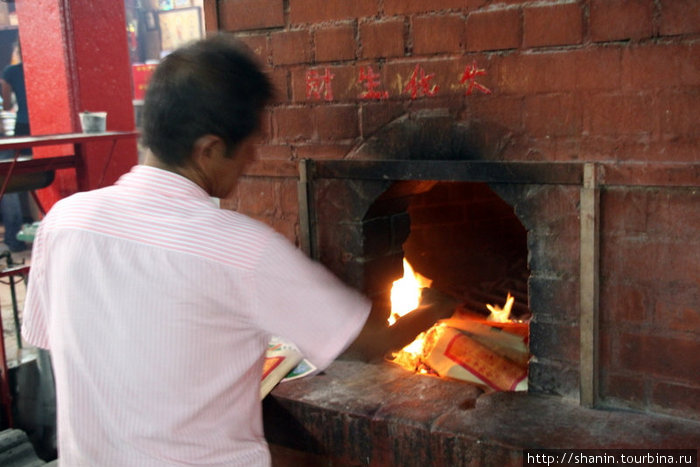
{"points": [[406, 292], [501, 315], [412, 356]]}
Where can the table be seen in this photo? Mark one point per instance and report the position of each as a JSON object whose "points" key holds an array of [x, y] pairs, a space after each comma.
{"points": [[38, 172]]}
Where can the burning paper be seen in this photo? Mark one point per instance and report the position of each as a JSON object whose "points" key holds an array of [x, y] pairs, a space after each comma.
{"points": [[491, 352], [458, 355]]}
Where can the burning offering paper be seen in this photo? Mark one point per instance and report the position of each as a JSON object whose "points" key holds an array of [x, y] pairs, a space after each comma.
{"points": [[489, 351]]}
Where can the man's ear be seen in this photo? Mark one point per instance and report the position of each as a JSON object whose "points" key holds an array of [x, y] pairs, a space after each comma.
{"points": [[206, 149]]}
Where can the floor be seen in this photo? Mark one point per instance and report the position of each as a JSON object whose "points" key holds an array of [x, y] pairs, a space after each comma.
{"points": [[13, 352]]}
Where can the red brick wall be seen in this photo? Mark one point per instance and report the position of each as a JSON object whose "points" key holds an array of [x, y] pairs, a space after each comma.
{"points": [[561, 80]]}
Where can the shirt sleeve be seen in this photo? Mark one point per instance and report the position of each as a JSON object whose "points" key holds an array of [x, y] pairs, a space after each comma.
{"points": [[34, 315], [300, 300]]}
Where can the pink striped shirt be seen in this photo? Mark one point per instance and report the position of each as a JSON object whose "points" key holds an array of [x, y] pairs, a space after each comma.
{"points": [[157, 307]]}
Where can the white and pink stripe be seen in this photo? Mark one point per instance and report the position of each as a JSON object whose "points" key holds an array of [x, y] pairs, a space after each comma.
{"points": [[157, 307]]}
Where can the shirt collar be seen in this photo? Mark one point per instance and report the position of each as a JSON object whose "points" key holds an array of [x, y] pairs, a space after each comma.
{"points": [[161, 181]]}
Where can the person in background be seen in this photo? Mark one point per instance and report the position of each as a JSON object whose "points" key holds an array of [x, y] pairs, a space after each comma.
{"points": [[13, 90], [158, 306], [13, 86]]}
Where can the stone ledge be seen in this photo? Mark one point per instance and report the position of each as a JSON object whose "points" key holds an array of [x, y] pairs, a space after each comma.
{"points": [[378, 414]]}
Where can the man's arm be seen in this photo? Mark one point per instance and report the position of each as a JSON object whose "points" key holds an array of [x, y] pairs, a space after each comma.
{"points": [[377, 338]]}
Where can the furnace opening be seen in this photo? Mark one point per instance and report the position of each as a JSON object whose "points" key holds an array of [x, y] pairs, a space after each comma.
{"points": [[464, 241]]}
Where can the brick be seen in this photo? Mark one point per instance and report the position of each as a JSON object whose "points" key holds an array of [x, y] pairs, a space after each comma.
{"points": [[612, 20], [275, 152], [316, 11], [289, 203], [623, 302], [552, 115], [553, 256], [286, 227], [239, 15], [259, 45], [382, 39], [555, 300], [659, 66], [279, 77], [555, 341], [438, 34], [664, 211], [679, 17], [290, 47], [623, 213], [506, 110], [336, 122], [630, 389], [663, 357], [649, 262], [272, 168], [374, 115], [323, 150], [677, 307], [679, 110], [551, 377], [552, 25], [292, 123], [335, 43], [619, 115], [683, 400], [404, 7], [493, 30], [257, 197], [558, 71], [550, 212]]}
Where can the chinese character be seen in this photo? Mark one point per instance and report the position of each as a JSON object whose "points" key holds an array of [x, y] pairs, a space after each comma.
{"points": [[469, 76], [319, 86], [420, 84], [371, 82]]}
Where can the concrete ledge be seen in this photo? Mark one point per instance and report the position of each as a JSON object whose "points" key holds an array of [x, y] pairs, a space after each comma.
{"points": [[378, 414]]}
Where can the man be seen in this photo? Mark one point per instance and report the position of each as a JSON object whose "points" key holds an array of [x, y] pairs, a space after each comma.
{"points": [[13, 91], [158, 306]]}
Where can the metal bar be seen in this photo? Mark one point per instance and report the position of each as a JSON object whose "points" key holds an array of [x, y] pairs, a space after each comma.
{"points": [[566, 173], [9, 174], [589, 283], [15, 312], [5, 394], [106, 164]]}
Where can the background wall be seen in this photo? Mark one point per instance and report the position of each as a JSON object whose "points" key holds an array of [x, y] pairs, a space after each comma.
{"points": [[555, 80]]}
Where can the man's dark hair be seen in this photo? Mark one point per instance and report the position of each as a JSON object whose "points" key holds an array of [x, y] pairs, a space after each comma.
{"points": [[212, 86]]}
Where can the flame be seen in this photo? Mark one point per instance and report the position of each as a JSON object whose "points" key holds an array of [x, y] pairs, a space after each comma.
{"points": [[406, 292], [412, 356], [501, 315]]}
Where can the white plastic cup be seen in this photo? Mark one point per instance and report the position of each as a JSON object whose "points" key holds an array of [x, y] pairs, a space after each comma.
{"points": [[93, 122]]}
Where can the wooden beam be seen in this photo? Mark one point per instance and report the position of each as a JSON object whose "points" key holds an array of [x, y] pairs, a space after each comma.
{"points": [[305, 208], [589, 284]]}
